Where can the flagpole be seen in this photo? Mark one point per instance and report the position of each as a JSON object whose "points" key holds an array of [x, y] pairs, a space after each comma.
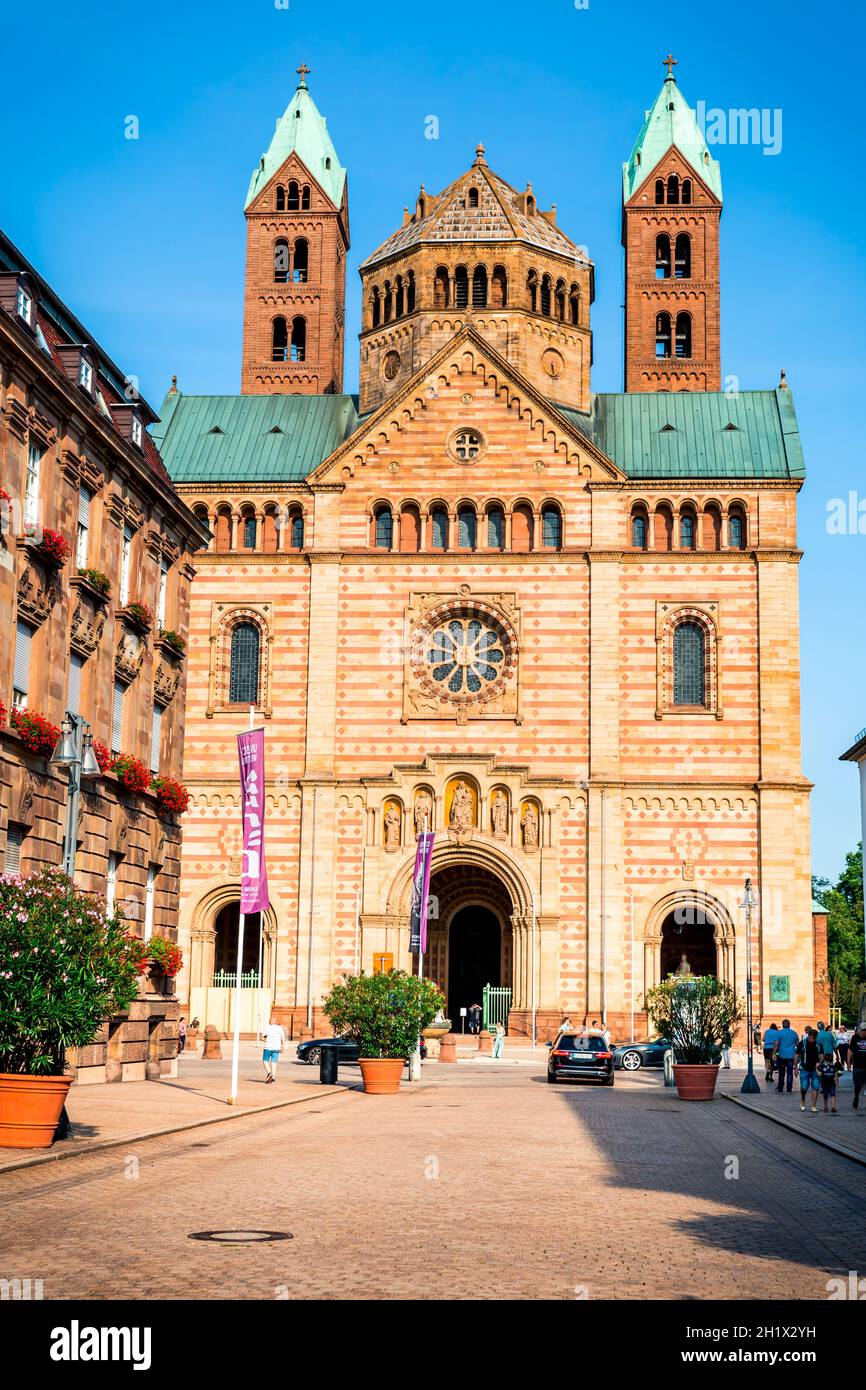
{"points": [[236, 1040]]}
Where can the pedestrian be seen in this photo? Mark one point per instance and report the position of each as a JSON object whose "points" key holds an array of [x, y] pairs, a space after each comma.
{"points": [[858, 1062], [181, 1035], [807, 1058], [842, 1040], [826, 1039], [475, 1013], [756, 1038], [566, 1026], [770, 1037], [829, 1067], [274, 1037], [498, 1042], [726, 1051], [786, 1055]]}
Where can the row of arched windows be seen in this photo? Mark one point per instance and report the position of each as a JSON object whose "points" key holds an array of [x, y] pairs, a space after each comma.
{"points": [[293, 198], [268, 531], [288, 343], [291, 263], [394, 301], [673, 190], [553, 300], [458, 289], [461, 289], [681, 266], [673, 336], [520, 528], [688, 529]]}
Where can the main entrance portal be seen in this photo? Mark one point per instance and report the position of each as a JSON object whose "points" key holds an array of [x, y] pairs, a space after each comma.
{"points": [[469, 935], [474, 958]]}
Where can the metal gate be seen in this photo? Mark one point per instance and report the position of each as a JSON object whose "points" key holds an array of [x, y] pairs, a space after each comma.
{"points": [[496, 1003]]}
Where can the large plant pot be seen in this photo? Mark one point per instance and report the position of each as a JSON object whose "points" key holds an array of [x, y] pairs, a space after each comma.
{"points": [[381, 1075], [30, 1107], [696, 1082]]}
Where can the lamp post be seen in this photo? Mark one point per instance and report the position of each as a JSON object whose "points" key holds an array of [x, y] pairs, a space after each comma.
{"points": [[74, 751], [750, 1082]]}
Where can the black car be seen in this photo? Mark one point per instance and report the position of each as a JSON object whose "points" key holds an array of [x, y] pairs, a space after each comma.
{"points": [[311, 1050], [634, 1055], [581, 1056]]}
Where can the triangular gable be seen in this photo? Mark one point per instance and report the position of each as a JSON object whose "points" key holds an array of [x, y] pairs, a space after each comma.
{"points": [[292, 165], [534, 409], [685, 169]]}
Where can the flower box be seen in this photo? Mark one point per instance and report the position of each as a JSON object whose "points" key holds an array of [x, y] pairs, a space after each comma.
{"points": [[49, 547], [172, 797], [171, 642], [137, 615], [92, 582], [130, 772], [38, 735]]}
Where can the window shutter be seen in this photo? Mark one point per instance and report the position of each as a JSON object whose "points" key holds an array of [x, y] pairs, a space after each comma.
{"points": [[149, 901], [73, 698], [111, 881], [117, 716], [85, 497], [21, 672], [156, 737], [14, 840]]}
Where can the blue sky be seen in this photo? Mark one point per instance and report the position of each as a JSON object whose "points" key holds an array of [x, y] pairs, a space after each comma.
{"points": [[145, 239]]}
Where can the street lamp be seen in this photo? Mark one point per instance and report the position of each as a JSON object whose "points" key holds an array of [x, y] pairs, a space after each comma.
{"points": [[750, 1082], [74, 751]]}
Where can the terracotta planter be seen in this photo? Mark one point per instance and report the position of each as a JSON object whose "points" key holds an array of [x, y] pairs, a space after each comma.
{"points": [[695, 1082], [381, 1075], [30, 1107]]}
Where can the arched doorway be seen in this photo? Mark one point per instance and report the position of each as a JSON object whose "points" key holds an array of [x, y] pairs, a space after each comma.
{"points": [[474, 957], [226, 927], [688, 933]]}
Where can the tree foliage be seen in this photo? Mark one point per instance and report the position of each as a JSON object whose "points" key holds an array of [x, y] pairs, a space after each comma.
{"points": [[845, 944]]}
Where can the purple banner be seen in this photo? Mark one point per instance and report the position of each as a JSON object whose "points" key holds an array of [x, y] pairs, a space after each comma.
{"points": [[254, 875], [420, 891]]}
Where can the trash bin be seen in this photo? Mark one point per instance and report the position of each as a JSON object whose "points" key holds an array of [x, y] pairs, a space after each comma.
{"points": [[328, 1066]]}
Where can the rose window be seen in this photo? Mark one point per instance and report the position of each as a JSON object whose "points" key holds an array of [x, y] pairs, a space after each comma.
{"points": [[466, 445], [465, 655]]}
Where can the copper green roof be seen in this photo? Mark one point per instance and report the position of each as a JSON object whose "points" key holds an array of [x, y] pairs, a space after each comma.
{"points": [[670, 121], [303, 131], [696, 434], [280, 439]]}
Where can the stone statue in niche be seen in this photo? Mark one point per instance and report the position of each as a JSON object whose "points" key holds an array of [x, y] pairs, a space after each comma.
{"points": [[499, 815], [461, 808], [392, 826], [530, 827], [683, 968], [423, 812]]}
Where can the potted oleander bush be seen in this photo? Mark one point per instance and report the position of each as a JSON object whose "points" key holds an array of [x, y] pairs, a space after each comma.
{"points": [[384, 1016], [66, 966], [699, 1015]]}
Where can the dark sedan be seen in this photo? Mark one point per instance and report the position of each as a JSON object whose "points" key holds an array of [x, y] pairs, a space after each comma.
{"points": [[311, 1050], [580, 1057], [632, 1056]]}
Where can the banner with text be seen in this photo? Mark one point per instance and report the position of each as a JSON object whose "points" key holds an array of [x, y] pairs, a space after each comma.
{"points": [[420, 891], [254, 875]]}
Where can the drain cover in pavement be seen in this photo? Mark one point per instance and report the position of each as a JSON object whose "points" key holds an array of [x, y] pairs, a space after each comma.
{"points": [[240, 1237]]}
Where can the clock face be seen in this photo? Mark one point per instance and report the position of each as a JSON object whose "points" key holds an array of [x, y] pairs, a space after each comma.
{"points": [[391, 365], [553, 362]]}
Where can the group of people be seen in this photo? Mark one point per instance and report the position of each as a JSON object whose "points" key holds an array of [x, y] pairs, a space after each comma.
{"points": [[817, 1056]]}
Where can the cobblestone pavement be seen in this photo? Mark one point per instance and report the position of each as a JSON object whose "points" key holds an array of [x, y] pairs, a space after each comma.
{"points": [[472, 1184]]}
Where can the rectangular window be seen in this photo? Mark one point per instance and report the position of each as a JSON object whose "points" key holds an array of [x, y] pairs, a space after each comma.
{"points": [[150, 900], [85, 497], [136, 431], [117, 717], [111, 881], [163, 589], [73, 698], [85, 375], [21, 668], [31, 485], [12, 854], [125, 560], [156, 738], [25, 306]]}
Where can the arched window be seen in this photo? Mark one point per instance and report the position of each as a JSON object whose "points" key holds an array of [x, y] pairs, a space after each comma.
{"points": [[466, 528], [499, 287], [689, 664], [281, 261], [223, 531], [249, 531], [301, 261], [673, 188], [383, 528], [399, 297], [479, 287], [305, 198], [375, 307], [299, 339], [683, 257], [294, 199], [545, 295], [473, 197], [410, 292], [560, 300], [440, 288], [532, 286], [281, 198], [663, 256], [410, 529], [280, 340], [387, 302], [530, 206], [521, 528], [660, 190], [687, 531], [551, 528], [737, 530], [244, 669], [461, 287], [687, 190], [438, 529], [638, 531], [663, 335], [296, 529], [684, 335], [574, 305], [495, 528], [711, 530]]}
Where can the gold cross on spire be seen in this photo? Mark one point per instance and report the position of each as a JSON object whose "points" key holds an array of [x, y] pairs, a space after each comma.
{"points": [[669, 62], [302, 73]]}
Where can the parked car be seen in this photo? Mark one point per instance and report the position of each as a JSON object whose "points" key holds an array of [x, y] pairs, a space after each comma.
{"points": [[311, 1050], [632, 1056], [580, 1057]]}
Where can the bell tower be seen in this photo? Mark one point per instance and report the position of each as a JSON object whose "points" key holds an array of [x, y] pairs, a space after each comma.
{"points": [[297, 213], [672, 205]]}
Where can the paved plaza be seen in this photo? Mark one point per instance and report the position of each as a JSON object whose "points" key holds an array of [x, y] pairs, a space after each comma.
{"points": [[478, 1182]]}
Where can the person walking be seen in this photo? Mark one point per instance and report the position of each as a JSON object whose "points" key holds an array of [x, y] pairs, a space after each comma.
{"points": [[756, 1038], [843, 1038], [807, 1059], [858, 1062], [726, 1051], [829, 1066], [566, 1026], [181, 1035], [275, 1036], [826, 1039], [475, 1012], [498, 1042], [786, 1055], [770, 1037]]}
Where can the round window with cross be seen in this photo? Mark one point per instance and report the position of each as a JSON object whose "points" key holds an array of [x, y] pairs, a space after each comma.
{"points": [[466, 445]]}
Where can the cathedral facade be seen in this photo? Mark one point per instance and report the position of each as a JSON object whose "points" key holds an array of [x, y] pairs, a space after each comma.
{"points": [[558, 628]]}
